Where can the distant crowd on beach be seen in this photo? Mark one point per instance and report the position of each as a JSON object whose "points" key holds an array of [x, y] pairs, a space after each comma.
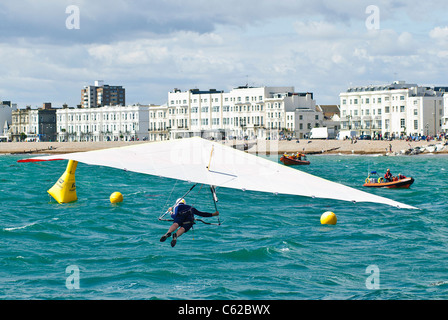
{"points": [[439, 137]]}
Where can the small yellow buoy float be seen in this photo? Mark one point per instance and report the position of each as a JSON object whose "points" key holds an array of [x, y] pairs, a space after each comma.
{"points": [[116, 197], [328, 218]]}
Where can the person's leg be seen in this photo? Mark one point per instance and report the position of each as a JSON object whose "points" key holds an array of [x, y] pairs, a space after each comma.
{"points": [[180, 232], [177, 234], [173, 227]]}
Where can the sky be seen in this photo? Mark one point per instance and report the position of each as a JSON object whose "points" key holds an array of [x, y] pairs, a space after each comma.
{"points": [[51, 49]]}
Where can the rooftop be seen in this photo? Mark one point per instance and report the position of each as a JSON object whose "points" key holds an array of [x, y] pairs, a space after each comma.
{"points": [[400, 85], [393, 86]]}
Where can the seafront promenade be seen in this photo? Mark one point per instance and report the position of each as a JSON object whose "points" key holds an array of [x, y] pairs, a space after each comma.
{"points": [[358, 147], [58, 147], [254, 146]]}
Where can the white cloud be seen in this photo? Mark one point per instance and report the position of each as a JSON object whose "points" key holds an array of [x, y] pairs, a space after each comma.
{"points": [[320, 29], [126, 53], [388, 42], [440, 34]]}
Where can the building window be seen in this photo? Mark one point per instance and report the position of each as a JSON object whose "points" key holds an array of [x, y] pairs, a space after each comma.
{"points": [[367, 124], [415, 124], [402, 123], [378, 124]]}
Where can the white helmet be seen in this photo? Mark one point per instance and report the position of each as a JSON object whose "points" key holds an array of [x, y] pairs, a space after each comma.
{"points": [[180, 200]]}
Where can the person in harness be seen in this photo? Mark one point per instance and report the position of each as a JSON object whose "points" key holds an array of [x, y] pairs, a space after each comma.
{"points": [[183, 216]]}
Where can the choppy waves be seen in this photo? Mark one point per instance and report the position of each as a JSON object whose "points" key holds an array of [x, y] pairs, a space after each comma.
{"points": [[269, 247]]}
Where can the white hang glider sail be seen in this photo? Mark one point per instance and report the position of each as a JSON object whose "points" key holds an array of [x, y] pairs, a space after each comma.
{"points": [[201, 161]]}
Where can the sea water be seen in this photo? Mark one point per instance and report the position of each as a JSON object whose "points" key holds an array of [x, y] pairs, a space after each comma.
{"points": [[268, 246]]}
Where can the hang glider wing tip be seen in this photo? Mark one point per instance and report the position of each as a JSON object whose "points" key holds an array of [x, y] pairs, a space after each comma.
{"points": [[394, 204], [401, 206], [37, 160]]}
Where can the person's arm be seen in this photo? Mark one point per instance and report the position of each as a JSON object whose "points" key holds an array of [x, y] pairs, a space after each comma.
{"points": [[204, 214], [173, 213]]}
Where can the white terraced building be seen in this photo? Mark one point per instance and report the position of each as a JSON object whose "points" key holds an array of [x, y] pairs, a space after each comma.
{"points": [[392, 110], [244, 112], [445, 113], [6, 109], [108, 123]]}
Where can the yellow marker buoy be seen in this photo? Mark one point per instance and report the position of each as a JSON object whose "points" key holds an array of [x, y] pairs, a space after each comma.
{"points": [[328, 218], [64, 190], [116, 197]]}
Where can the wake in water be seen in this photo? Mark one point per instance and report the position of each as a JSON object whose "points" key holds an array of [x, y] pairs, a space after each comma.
{"points": [[27, 225], [19, 228]]}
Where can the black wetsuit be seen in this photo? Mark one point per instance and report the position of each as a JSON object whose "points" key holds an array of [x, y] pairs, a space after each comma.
{"points": [[184, 215]]}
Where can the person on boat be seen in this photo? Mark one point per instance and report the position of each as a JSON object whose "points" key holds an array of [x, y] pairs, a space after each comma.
{"points": [[388, 176], [183, 216]]}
